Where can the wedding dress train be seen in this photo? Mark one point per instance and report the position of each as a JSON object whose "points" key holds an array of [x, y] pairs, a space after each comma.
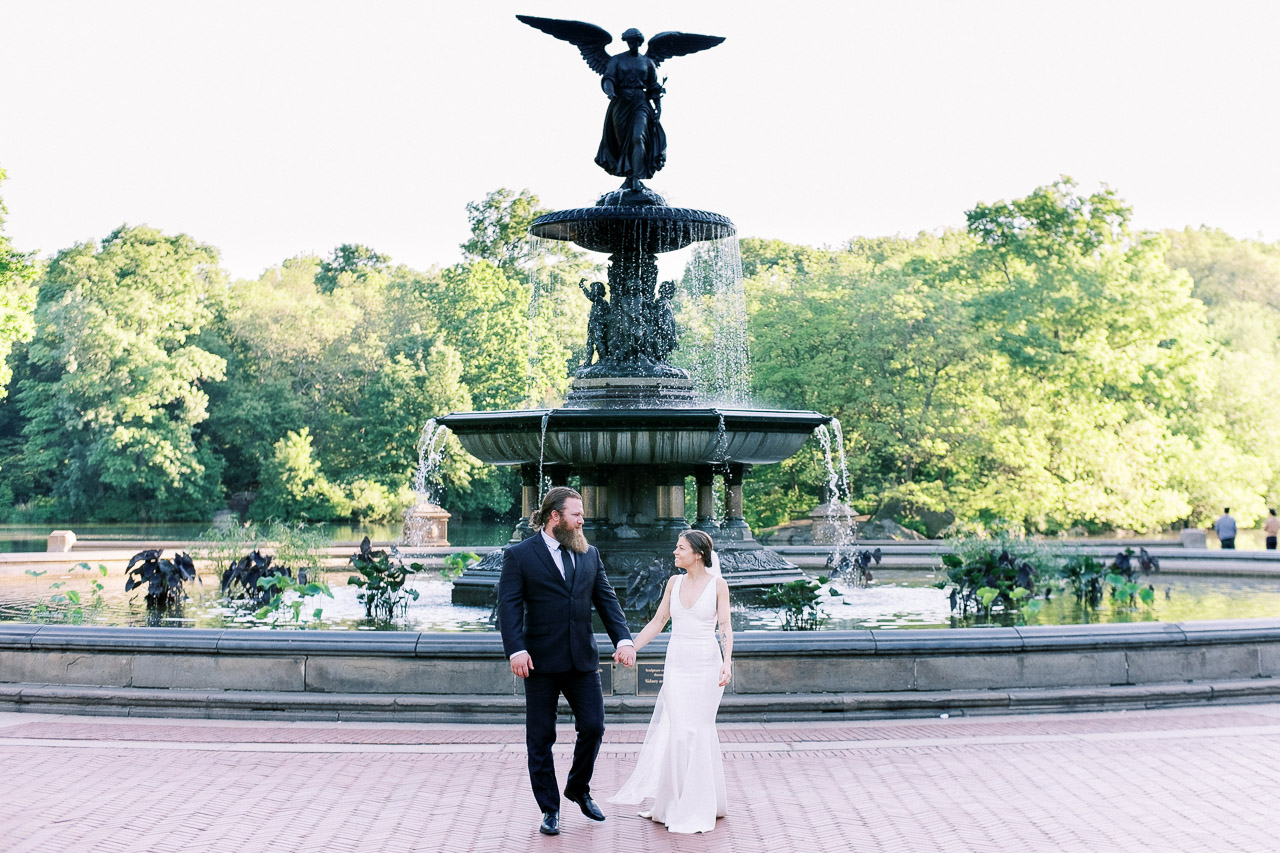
{"points": [[679, 764]]}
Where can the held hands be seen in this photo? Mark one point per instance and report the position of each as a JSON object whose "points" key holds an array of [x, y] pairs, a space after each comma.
{"points": [[726, 673], [522, 664], [626, 655]]}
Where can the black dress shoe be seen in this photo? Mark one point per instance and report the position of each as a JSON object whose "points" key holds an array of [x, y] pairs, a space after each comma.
{"points": [[588, 805], [550, 823]]}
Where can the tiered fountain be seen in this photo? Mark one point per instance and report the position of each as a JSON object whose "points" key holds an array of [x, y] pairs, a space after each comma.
{"points": [[633, 429]]}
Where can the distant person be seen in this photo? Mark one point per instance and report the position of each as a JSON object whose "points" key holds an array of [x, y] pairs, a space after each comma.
{"points": [[1271, 528], [1225, 527]]}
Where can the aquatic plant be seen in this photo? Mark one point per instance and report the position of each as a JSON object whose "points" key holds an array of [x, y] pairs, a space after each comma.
{"points": [[277, 587], [646, 584], [240, 580], [799, 601], [163, 579], [382, 582]]}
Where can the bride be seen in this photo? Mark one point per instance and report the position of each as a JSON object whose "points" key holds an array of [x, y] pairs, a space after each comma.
{"points": [[679, 764]]}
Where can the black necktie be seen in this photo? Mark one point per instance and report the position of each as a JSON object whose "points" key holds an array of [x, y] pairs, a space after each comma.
{"points": [[568, 565]]}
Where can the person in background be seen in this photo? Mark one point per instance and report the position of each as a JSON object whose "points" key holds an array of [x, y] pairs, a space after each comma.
{"points": [[1225, 527], [1271, 528]]}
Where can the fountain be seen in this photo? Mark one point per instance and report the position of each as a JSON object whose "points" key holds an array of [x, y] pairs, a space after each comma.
{"points": [[633, 430], [426, 523]]}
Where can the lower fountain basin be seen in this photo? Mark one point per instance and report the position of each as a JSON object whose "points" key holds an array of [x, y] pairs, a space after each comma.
{"points": [[634, 436]]}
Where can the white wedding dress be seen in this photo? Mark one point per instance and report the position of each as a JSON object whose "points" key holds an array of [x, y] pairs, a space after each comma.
{"points": [[679, 764]]}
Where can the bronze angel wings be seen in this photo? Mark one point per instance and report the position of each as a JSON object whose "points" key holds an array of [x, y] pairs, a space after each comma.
{"points": [[592, 40]]}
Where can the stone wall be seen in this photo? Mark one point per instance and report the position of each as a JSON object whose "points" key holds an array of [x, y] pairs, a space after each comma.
{"points": [[464, 677]]}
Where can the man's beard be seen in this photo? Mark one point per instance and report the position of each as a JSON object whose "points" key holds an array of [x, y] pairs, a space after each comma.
{"points": [[570, 537]]}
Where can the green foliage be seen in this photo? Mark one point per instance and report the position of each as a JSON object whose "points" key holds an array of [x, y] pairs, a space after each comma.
{"points": [[240, 580], [800, 604], [457, 563], [1004, 571], [17, 299], [293, 486], [382, 582], [1048, 367], [294, 545], [285, 599], [350, 260], [1085, 577], [68, 605], [115, 398]]}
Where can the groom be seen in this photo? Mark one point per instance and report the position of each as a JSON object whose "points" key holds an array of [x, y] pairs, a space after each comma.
{"points": [[549, 582]]}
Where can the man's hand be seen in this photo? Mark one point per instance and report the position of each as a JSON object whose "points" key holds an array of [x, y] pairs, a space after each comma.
{"points": [[522, 664], [626, 655]]}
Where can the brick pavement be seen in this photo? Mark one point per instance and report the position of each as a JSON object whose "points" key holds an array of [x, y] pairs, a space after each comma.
{"points": [[1193, 779]]}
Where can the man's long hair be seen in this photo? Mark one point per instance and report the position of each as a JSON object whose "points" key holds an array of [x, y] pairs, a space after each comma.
{"points": [[552, 501]]}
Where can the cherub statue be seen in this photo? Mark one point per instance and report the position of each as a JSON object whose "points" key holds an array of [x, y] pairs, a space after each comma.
{"points": [[633, 145], [597, 321], [662, 331]]}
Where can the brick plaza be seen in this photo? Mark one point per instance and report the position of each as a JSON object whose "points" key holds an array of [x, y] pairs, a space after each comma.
{"points": [[1200, 778]]}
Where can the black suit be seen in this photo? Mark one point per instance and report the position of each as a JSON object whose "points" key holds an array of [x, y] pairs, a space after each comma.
{"points": [[539, 613]]}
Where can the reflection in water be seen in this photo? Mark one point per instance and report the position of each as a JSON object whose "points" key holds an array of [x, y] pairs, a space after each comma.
{"points": [[897, 599]]}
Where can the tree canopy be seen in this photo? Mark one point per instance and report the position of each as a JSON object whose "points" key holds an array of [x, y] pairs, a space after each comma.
{"points": [[1048, 366]]}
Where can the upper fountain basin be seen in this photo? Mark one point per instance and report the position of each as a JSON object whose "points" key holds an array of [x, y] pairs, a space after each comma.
{"points": [[634, 436], [646, 228]]}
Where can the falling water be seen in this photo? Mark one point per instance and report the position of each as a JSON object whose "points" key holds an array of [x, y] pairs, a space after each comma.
{"points": [[542, 452], [431, 445], [713, 315], [419, 527], [844, 467], [838, 498]]}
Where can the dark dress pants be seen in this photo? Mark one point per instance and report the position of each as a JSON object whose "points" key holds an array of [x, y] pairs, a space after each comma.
{"points": [[541, 693], [1229, 544]]}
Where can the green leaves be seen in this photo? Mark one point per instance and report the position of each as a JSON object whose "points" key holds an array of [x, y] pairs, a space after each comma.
{"points": [[286, 596], [382, 582], [800, 602], [17, 300], [116, 396]]}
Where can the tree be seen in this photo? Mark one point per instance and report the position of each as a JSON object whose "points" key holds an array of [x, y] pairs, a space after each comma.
{"points": [[500, 230], [351, 260], [116, 399], [1097, 346], [884, 323], [17, 300]]}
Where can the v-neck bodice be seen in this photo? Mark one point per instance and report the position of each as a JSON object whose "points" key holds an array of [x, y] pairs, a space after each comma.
{"points": [[697, 620]]}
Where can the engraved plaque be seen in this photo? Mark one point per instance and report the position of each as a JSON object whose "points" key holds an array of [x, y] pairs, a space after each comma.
{"points": [[648, 679], [606, 679]]}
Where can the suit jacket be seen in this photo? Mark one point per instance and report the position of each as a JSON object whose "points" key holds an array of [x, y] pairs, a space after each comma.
{"points": [[538, 612]]}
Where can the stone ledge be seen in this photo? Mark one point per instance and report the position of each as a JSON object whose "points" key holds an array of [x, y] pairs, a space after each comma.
{"points": [[751, 643], [236, 704]]}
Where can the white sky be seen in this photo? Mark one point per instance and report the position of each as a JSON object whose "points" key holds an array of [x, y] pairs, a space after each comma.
{"points": [[270, 129]]}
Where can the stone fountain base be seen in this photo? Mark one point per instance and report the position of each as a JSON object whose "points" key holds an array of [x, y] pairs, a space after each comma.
{"points": [[631, 466], [426, 525], [746, 567]]}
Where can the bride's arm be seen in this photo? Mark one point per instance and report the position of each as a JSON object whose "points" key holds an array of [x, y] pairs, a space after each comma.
{"points": [[659, 620], [726, 630]]}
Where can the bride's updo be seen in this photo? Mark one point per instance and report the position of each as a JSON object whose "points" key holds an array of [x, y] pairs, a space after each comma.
{"points": [[700, 543]]}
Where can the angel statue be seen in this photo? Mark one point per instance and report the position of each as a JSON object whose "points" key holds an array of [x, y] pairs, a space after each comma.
{"points": [[633, 145]]}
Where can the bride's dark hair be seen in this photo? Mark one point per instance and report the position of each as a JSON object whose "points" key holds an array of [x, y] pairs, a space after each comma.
{"points": [[700, 543]]}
